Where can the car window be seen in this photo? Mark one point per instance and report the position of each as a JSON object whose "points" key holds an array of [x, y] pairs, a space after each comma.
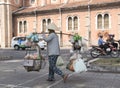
{"points": [[16, 38], [22, 38]]}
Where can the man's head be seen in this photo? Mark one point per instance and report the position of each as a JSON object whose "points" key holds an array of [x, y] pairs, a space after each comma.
{"points": [[111, 36], [101, 36]]}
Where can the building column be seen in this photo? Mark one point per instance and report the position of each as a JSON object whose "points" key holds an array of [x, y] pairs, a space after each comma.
{"points": [[4, 26], [9, 23], [0, 30]]}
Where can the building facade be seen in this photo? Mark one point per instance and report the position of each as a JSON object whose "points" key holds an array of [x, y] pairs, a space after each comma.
{"points": [[90, 18], [7, 7]]}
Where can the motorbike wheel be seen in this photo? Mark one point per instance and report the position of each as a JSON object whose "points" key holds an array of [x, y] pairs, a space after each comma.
{"points": [[94, 53], [114, 53]]}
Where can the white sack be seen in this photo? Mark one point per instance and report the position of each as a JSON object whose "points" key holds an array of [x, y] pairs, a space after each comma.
{"points": [[79, 66]]}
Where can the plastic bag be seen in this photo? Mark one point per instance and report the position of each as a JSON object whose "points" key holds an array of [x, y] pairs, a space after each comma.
{"points": [[60, 61], [80, 42], [29, 36], [35, 38], [79, 66]]}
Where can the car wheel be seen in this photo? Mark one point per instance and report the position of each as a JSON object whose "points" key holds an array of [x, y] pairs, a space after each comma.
{"points": [[16, 47]]}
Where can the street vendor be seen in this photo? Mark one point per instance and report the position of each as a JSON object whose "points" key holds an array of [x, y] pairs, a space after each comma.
{"points": [[53, 50]]}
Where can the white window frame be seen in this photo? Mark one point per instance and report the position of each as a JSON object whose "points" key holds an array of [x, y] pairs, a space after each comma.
{"points": [[96, 21], [45, 24], [109, 19], [78, 22], [46, 19], [72, 23], [26, 26], [19, 27], [67, 23]]}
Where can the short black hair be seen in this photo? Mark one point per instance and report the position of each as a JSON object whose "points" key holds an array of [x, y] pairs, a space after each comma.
{"points": [[101, 36]]}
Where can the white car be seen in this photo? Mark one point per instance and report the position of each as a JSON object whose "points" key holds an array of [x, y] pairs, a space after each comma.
{"points": [[20, 43]]}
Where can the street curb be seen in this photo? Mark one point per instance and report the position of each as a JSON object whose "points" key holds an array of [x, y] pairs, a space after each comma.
{"points": [[2, 58], [102, 68], [105, 68]]}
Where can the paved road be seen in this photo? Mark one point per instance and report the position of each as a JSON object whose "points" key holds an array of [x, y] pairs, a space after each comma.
{"points": [[13, 75]]}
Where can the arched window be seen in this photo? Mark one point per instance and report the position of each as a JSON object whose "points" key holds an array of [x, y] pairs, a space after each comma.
{"points": [[69, 23], [75, 23], [20, 26], [25, 26], [44, 25], [48, 21], [106, 21], [99, 21], [45, 22]]}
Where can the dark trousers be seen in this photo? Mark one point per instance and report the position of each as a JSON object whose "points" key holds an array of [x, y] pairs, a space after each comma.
{"points": [[104, 47], [115, 45], [52, 67]]}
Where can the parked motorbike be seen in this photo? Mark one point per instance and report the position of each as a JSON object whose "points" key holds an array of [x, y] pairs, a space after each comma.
{"points": [[96, 51]]}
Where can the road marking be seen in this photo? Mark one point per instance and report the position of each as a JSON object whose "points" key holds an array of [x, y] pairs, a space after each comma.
{"points": [[90, 61], [59, 81], [11, 86], [7, 61], [33, 79], [7, 70]]}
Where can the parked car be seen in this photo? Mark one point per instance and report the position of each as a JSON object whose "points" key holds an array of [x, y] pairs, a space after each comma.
{"points": [[20, 43]]}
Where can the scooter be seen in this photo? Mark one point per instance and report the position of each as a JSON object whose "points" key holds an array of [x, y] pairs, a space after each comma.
{"points": [[96, 51]]}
